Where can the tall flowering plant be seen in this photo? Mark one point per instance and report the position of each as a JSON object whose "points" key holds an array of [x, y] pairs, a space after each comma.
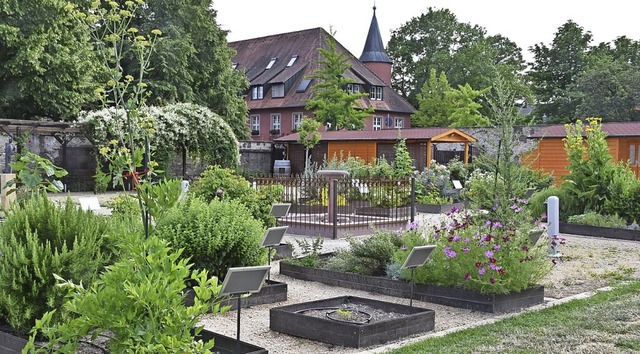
{"points": [[488, 252]]}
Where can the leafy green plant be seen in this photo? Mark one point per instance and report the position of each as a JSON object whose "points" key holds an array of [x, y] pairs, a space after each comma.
{"points": [[310, 252], [38, 239], [433, 197], [225, 184], [137, 303], [368, 256], [215, 236], [36, 174], [592, 218], [389, 194]]}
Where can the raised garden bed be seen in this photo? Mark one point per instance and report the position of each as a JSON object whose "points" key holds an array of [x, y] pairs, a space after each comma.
{"points": [[460, 298], [351, 321], [11, 344], [272, 291], [438, 208], [599, 231], [228, 345]]}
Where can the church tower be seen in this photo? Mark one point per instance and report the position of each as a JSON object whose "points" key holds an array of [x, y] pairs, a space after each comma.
{"points": [[374, 55]]}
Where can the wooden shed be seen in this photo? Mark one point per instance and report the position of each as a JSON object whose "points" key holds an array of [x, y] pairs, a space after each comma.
{"points": [[623, 139], [370, 145]]}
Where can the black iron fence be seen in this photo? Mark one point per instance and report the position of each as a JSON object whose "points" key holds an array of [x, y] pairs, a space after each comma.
{"points": [[360, 204]]}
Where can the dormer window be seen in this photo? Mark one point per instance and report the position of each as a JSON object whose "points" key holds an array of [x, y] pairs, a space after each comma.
{"points": [[353, 88], [277, 90], [292, 60], [273, 61], [376, 93], [257, 92]]}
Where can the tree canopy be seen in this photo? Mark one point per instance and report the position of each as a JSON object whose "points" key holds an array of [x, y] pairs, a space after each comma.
{"points": [[50, 67], [47, 65], [463, 52]]}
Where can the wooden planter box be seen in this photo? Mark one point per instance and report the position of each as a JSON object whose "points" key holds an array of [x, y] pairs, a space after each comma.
{"points": [[438, 208], [291, 320], [398, 212], [460, 298], [272, 291], [599, 231]]}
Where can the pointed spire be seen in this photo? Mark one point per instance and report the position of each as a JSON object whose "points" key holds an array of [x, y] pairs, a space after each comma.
{"points": [[374, 47]]}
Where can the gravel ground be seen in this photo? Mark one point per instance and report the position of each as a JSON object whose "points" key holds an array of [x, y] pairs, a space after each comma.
{"points": [[587, 264]]}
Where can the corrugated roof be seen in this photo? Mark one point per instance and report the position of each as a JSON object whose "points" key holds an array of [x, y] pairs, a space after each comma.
{"points": [[613, 129], [387, 134]]}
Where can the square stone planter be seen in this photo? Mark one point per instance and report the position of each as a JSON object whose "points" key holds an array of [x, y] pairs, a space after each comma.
{"points": [[272, 291], [599, 231], [438, 208], [388, 321], [454, 297]]}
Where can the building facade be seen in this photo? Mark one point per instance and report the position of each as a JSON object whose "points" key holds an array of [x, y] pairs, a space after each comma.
{"points": [[278, 67]]}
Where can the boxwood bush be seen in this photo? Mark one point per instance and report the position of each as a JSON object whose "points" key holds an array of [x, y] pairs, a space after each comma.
{"points": [[215, 236], [38, 239]]}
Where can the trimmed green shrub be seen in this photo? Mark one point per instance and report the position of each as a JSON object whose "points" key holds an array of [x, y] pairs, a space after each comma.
{"points": [[594, 219], [367, 257], [568, 206], [39, 239], [138, 303], [215, 235], [224, 184]]}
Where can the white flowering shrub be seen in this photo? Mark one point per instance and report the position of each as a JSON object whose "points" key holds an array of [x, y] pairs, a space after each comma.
{"points": [[179, 127]]}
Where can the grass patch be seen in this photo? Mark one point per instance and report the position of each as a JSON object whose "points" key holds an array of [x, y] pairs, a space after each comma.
{"points": [[608, 322]]}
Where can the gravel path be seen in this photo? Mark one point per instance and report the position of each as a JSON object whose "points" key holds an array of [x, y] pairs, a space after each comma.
{"points": [[588, 264]]}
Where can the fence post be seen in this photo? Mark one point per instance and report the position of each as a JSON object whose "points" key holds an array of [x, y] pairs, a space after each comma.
{"points": [[413, 199], [335, 208]]}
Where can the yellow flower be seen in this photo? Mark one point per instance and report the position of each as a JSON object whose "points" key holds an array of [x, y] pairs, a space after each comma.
{"points": [[104, 150], [128, 78], [113, 142], [156, 32]]}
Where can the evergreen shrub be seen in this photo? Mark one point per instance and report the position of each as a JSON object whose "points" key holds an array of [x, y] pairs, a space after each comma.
{"points": [[215, 236], [39, 239]]}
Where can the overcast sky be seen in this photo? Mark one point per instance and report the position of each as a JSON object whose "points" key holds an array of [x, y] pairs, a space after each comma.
{"points": [[524, 22]]}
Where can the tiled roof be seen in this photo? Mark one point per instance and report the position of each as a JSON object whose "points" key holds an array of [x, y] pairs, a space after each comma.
{"points": [[613, 129], [387, 134], [253, 56]]}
